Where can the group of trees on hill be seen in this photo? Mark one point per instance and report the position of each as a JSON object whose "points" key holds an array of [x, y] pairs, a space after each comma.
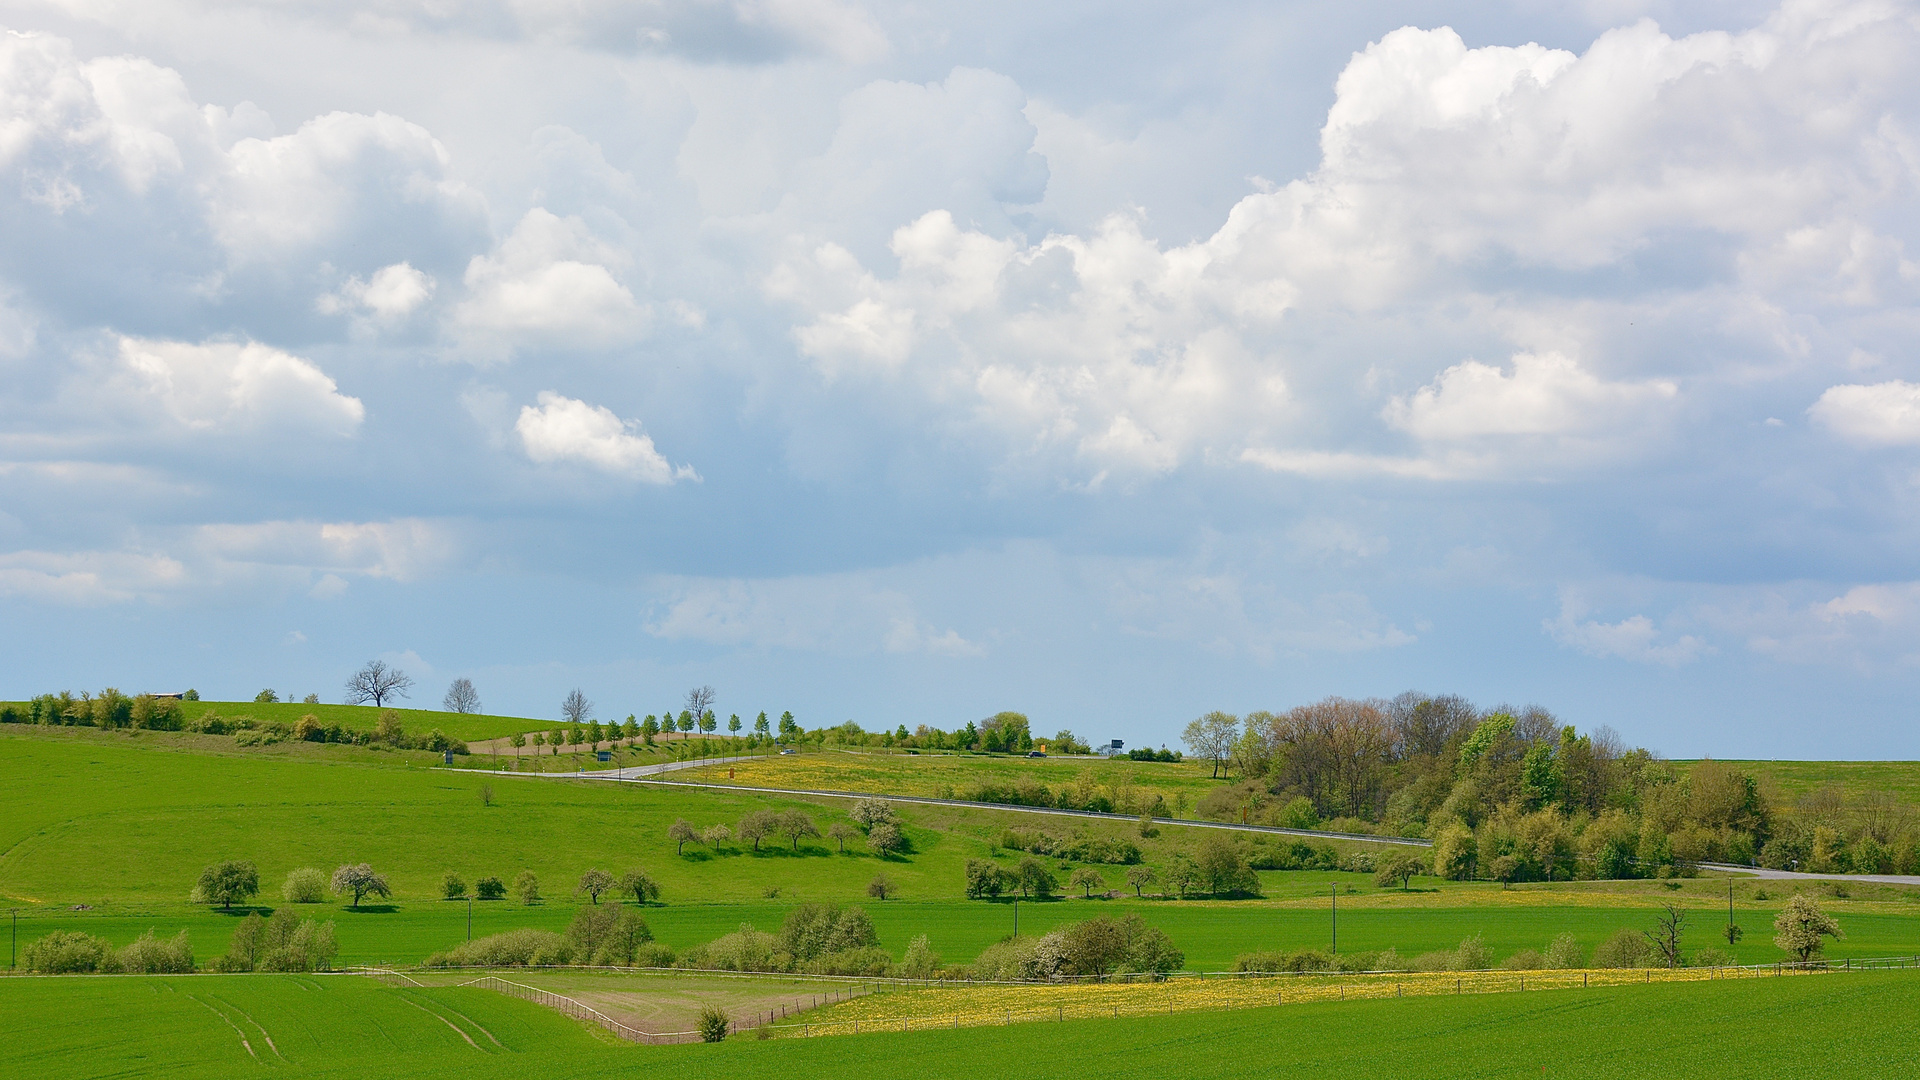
{"points": [[110, 710], [871, 819], [1515, 795]]}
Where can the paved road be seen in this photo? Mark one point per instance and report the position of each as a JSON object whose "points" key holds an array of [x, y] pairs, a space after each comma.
{"points": [[1789, 875], [650, 774]]}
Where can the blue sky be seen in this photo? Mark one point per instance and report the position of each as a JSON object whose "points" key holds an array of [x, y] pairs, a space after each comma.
{"points": [[1114, 363]]}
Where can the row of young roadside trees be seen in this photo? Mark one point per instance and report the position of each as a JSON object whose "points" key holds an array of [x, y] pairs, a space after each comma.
{"points": [[1516, 795]]}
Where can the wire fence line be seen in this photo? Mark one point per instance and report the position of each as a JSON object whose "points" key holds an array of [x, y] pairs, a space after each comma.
{"points": [[579, 1010]]}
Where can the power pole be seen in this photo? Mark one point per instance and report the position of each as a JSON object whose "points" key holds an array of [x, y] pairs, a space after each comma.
{"points": [[1336, 918], [14, 956], [469, 918]]}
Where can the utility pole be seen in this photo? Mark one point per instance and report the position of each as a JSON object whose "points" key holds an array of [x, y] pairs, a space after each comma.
{"points": [[14, 956], [1016, 916], [469, 918], [1336, 918]]}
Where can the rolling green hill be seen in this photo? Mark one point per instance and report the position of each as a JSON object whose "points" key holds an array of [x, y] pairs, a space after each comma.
{"points": [[189, 1028]]}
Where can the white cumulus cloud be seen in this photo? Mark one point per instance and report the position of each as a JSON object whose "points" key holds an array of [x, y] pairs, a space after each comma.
{"points": [[551, 283], [216, 385], [1881, 414], [562, 429]]}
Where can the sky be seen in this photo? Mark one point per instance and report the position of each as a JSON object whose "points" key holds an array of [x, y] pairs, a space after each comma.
{"points": [[904, 363]]}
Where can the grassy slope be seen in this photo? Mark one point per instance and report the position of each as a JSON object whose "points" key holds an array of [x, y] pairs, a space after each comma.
{"points": [[947, 775], [1792, 779], [125, 822], [468, 727], [1844, 1026]]}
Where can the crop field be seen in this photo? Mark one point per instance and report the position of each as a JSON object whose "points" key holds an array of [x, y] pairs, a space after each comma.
{"points": [[949, 775], [467, 727], [191, 1027], [962, 1005], [1792, 779]]}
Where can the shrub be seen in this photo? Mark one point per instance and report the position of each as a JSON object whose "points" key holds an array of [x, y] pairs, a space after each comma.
{"points": [[713, 1024], [745, 950], [920, 961], [490, 888], [514, 948], [1003, 960], [1389, 960], [1712, 957], [150, 956], [814, 930], [452, 886], [526, 887], [1625, 949], [65, 952], [880, 887], [1299, 960], [1563, 952], [304, 886], [1525, 960], [1473, 955]]}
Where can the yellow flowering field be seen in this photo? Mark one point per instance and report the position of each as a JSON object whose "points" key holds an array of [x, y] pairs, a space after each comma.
{"points": [[973, 1005]]}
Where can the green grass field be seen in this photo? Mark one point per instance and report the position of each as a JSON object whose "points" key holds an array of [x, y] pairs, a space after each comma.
{"points": [[947, 775], [124, 823], [468, 727], [1792, 779], [186, 1028]]}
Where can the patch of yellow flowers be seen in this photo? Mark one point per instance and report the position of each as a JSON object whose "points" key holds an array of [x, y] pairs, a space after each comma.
{"points": [[974, 1005]]}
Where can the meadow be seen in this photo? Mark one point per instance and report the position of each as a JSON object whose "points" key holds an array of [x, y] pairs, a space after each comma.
{"points": [[190, 1027], [123, 822], [467, 727], [947, 775]]}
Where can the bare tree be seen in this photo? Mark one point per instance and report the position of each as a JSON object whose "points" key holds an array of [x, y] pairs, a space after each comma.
{"points": [[462, 697], [699, 700], [576, 708], [376, 683], [1665, 935]]}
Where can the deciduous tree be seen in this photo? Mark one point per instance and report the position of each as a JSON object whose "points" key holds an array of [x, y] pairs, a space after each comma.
{"points": [[1140, 877], [757, 825], [795, 824], [643, 887], [886, 838], [1802, 926], [841, 832], [575, 708], [360, 880], [376, 683], [1087, 879], [680, 832], [595, 882], [227, 883], [1212, 737], [462, 697]]}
